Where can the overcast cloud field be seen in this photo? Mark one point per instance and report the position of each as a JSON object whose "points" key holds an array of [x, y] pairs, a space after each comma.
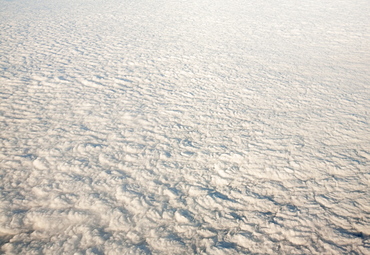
{"points": [[184, 127]]}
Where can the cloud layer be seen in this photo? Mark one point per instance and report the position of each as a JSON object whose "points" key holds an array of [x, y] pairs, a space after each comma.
{"points": [[210, 127]]}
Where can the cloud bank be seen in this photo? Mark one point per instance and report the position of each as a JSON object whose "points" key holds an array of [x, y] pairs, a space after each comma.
{"points": [[181, 127]]}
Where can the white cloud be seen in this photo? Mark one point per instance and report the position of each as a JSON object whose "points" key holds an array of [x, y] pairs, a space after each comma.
{"points": [[184, 127]]}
